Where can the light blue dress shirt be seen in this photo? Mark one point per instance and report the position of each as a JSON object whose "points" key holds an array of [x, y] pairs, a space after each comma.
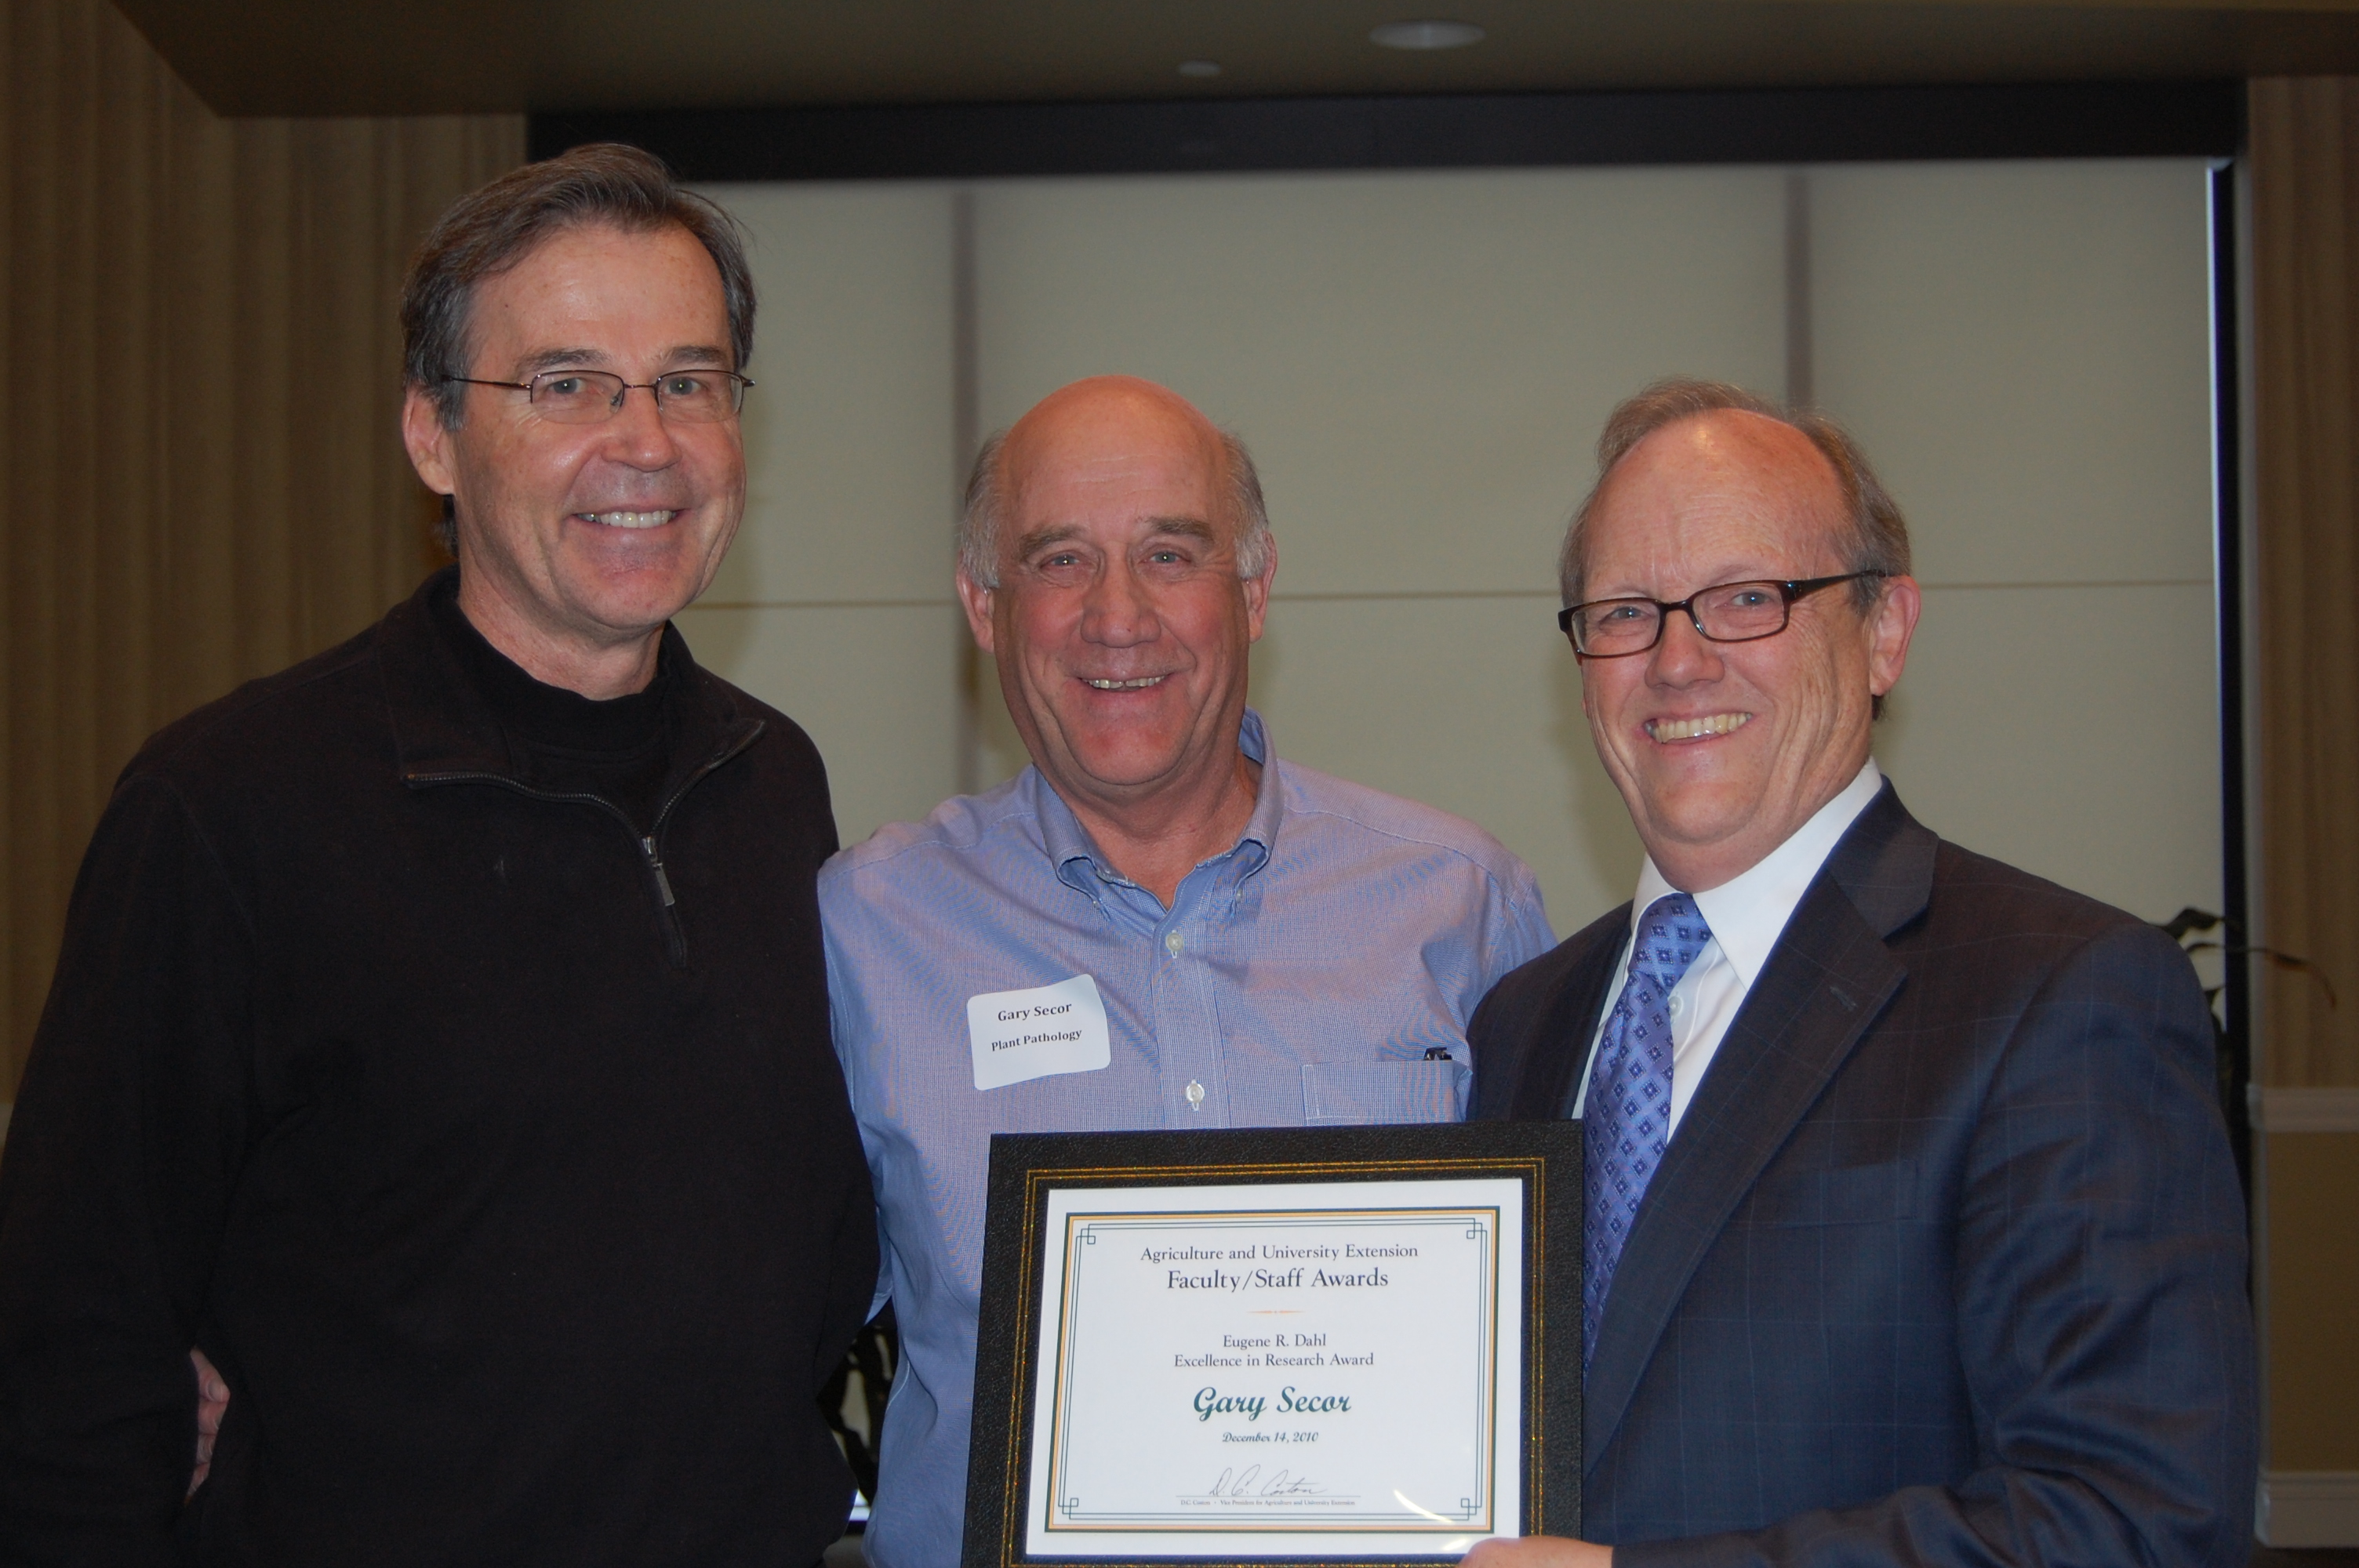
{"points": [[1297, 979]]}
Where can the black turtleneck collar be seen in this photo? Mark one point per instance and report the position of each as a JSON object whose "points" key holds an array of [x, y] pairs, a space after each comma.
{"points": [[549, 715]]}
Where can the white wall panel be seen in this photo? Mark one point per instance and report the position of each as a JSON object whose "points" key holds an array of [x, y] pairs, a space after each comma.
{"points": [[1420, 362], [2023, 348], [1472, 704], [2071, 731], [849, 448], [871, 684], [834, 605]]}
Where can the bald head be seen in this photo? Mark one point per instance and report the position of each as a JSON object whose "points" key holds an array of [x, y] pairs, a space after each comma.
{"points": [[1085, 424], [1737, 458], [1100, 404], [1875, 536]]}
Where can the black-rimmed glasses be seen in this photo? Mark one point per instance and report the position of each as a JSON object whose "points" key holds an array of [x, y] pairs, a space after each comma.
{"points": [[1726, 613], [594, 396]]}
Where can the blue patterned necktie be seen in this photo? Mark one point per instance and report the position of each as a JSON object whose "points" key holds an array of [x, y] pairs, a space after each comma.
{"points": [[1628, 1113]]}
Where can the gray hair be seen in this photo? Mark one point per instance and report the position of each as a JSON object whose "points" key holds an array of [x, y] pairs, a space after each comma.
{"points": [[986, 507], [490, 229], [1876, 540]]}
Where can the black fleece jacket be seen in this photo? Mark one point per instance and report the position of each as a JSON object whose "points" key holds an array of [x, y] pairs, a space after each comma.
{"points": [[484, 1132]]}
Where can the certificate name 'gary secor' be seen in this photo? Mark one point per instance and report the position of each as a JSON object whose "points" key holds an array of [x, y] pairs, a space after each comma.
{"points": [[1309, 1368]]}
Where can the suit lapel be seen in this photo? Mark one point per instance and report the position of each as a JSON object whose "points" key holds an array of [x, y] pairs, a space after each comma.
{"points": [[1546, 1092], [1829, 976]]}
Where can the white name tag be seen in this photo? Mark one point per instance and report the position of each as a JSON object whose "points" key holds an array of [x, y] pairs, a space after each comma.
{"points": [[1031, 1033]]}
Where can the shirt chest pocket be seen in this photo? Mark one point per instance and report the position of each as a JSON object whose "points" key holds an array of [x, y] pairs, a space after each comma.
{"points": [[1356, 1094]]}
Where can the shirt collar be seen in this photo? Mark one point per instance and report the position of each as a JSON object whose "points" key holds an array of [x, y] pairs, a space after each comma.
{"points": [[1076, 857], [1748, 912]]}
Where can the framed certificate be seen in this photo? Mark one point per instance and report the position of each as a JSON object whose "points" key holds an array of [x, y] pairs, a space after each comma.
{"points": [[1277, 1345]]}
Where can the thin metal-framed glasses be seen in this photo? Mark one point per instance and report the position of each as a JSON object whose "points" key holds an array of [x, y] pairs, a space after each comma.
{"points": [[594, 396], [1725, 612]]}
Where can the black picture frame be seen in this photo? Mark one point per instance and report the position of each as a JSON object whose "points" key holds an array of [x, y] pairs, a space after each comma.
{"points": [[1026, 1168]]}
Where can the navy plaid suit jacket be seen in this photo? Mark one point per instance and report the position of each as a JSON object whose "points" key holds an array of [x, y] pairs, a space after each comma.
{"points": [[1945, 1263]]}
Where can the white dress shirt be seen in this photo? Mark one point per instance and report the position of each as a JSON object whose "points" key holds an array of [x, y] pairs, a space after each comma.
{"points": [[1747, 914]]}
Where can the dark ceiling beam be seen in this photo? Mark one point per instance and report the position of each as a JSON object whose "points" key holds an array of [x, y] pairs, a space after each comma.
{"points": [[411, 57], [967, 141]]}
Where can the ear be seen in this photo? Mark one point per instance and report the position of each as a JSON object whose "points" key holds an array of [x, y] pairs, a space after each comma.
{"points": [[429, 442], [1890, 626], [976, 601], [1258, 595]]}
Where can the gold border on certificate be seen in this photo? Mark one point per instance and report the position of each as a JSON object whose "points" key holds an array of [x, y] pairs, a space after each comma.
{"points": [[1444, 1335], [1475, 1514]]}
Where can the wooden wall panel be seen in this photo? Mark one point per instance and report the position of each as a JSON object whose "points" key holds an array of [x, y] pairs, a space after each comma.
{"points": [[2304, 160], [2305, 243], [206, 482]]}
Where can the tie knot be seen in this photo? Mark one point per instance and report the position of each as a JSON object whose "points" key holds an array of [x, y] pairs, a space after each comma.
{"points": [[1670, 934]]}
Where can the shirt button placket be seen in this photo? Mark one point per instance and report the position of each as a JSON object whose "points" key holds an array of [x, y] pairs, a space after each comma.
{"points": [[1188, 1030]]}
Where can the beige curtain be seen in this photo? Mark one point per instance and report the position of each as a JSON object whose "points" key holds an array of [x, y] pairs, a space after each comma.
{"points": [[2305, 239], [196, 424]]}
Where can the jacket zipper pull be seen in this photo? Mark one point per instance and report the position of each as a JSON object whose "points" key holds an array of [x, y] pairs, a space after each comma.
{"points": [[663, 883]]}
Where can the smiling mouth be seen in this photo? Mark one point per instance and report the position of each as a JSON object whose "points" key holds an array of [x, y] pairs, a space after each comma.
{"points": [[628, 519], [1696, 729], [1140, 684]]}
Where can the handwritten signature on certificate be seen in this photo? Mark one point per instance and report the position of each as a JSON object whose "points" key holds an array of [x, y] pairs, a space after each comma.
{"points": [[1248, 1483]]}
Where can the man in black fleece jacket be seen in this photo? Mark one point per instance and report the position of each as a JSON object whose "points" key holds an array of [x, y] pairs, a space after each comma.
{"points": [[440, 1043]]}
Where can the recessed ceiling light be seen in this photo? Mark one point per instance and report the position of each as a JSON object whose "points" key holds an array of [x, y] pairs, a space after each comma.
{"points": [[1200, 68], [1427, 35]]}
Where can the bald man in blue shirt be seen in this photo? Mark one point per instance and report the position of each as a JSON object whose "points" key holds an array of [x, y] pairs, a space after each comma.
{"points": [[1217, 937]]}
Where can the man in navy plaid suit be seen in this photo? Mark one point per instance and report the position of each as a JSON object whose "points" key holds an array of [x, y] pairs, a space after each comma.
{"points": [[1912, 1232]]}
